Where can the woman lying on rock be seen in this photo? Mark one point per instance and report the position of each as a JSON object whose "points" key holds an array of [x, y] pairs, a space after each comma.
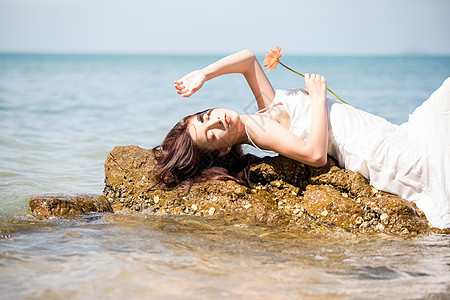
{"points": [[411, 160]]}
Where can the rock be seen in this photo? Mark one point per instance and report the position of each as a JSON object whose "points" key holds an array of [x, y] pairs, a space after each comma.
{"points": [[284, 192], [44, 207], [130, 184], [327, 204]]}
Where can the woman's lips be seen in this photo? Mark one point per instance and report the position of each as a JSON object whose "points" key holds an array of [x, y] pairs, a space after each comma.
{"points": [[227, 119]]}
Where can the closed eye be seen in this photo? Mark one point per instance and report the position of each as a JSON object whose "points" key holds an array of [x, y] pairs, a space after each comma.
{"points": [[201, 115]]}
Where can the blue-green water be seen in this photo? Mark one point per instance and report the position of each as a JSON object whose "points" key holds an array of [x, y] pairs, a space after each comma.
{"points": [[60, 115]]}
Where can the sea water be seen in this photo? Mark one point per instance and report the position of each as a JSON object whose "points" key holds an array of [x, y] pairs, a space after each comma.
{"points": [[60, 115]]}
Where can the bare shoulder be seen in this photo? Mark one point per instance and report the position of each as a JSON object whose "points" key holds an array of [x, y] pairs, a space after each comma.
{"points": [[267, 133]]}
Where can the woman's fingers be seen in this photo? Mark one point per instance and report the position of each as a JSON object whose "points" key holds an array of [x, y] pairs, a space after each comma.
{"points": [[181, 88], [186, 93], [190, 83], [182, 91], [314, 77], [178, 85]]}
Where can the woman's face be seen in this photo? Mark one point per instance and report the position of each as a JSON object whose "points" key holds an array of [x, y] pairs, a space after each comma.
{"points": [[215, 129]]}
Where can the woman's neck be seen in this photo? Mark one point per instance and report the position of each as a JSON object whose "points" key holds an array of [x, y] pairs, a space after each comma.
{"points": [[243, 137]]}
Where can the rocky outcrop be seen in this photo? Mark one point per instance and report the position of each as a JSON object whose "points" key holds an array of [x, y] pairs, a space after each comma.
{"points": [[284, 192], [44, 207]]}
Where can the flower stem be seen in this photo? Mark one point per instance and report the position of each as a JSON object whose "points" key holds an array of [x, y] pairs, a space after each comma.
{"points": [[304, 76]]}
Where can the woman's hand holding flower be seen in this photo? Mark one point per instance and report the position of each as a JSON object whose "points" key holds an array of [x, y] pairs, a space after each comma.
{"points": [[190, 83], [316, 86]]}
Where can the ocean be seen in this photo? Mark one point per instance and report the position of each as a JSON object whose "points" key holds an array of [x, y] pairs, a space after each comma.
{"points": [[60, 116]]}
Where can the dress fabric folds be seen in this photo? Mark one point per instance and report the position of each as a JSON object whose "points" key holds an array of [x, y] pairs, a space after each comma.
{"points": [[411, 160]]}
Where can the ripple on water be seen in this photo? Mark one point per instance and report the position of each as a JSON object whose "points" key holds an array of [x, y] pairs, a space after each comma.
{"points": [[60, 115], [139, 255]]}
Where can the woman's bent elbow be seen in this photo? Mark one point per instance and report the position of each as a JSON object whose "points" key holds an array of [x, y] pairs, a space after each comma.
{"points": [[319, 161], [248, 53]]}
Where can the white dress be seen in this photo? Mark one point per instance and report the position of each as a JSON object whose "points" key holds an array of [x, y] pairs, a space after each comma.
{"points": [[411, 160]]}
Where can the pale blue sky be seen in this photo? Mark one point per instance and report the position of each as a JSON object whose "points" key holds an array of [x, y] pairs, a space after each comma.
{"points": [[206, 26]]}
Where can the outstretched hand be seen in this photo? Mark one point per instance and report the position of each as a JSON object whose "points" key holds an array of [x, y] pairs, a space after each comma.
{"points": [[190, 83], [316, 86]]}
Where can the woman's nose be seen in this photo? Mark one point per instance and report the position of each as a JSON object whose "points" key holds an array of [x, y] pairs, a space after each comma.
{"points": [[216, 122], [219, 121]]}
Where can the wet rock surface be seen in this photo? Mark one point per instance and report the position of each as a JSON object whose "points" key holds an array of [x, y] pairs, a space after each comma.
{"points": [[44, 207], [283, 192]]}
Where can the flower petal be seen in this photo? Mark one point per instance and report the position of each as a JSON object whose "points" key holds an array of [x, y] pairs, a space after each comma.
{"points": [[272, 59]]}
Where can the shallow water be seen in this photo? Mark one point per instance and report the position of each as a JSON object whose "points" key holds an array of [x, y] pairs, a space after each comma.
{"points": [[60, 115], [139, 256]]}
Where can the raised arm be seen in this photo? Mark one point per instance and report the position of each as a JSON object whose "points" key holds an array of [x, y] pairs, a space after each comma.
{"points": [[243, 62], [270, 135]]}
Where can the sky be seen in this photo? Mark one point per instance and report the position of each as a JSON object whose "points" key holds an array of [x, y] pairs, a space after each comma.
{"points": [[314, 27]]}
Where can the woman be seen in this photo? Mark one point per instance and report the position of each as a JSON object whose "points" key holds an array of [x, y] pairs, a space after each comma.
{"points": [[411, 160]]}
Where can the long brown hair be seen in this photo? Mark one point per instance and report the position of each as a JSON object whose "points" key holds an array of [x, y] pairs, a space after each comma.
{"points": [[181, 162]]}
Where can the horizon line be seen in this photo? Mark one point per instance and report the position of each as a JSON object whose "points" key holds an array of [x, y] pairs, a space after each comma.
{"points": [[212, 53]]}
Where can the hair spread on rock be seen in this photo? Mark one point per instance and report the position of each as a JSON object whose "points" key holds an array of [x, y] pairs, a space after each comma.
{"points": [[180, 162]]}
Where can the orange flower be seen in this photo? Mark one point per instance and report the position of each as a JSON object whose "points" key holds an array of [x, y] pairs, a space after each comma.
{"points": [[272, 59]]}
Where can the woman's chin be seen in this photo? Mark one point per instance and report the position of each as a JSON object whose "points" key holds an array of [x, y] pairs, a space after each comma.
{"points": [[235, 118]]}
